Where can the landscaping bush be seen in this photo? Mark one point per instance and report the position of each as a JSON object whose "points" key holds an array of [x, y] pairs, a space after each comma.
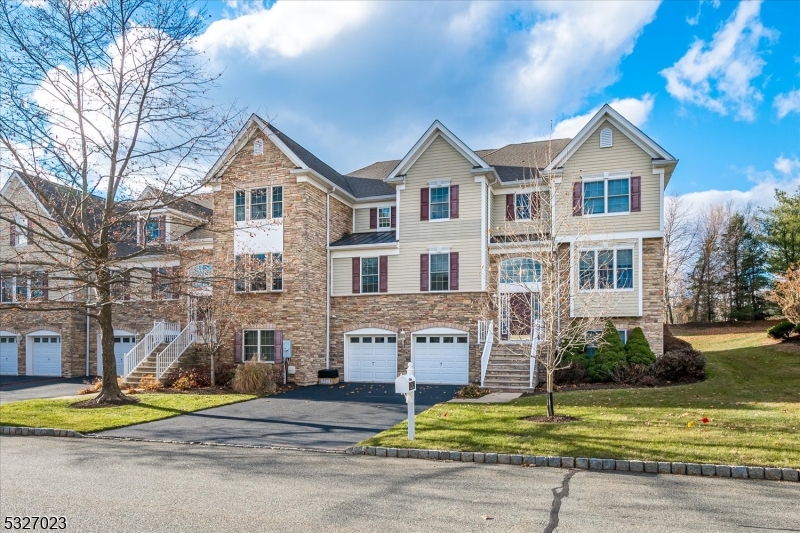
{"points": [[97, 384], [184, 382], [150, 383], [635, 374], [576, 362], [637, 350], [680, 365], [672, 343], [224, 374], [781, 330], [610, 353], [253, 378]]}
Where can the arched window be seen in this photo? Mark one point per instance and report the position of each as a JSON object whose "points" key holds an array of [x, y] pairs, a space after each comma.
{"points": [[520, 270], [201, 275]]}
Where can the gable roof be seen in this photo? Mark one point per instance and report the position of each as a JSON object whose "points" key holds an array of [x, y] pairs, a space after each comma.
{"points": [[621, 123]]}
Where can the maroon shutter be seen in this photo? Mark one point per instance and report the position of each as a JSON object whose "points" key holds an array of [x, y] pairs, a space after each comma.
{"points": [[237, 347], [30, 232], [510, 211], [154, 279], [278, 346], [394, 217], [383, 273], [141, 239], [373, 218], [454, 201], [636, 193], [12, 232], [45, 288], [162, 229], [424, 277], [536, 201], [356, 275], [453, 271], [577, 199], [424, 203]]}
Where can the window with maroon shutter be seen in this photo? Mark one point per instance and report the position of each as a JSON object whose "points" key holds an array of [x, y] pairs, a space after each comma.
{"points": [[577, 199], [383, 273], [12, 231], [162, 229], [30, 231], [453, 271], [237, 347], [394, 217], [356, 275], [45, 286], [510, 207], [424, 203], [140, 238], [454, 201], [423, 272], [278, 346], [536, 205], [373, 218], [636, 193]]}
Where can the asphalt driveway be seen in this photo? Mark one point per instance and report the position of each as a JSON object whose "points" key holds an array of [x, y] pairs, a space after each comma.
{"points": [[13, 388], [316, 417]]}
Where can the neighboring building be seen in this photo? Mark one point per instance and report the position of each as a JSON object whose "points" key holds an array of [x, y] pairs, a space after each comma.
{"points": [[408, 259]]}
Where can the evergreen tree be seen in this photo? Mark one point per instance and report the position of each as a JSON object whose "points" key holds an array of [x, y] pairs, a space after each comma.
{"points": [[781, 228], [609, 355], [637, 350]]}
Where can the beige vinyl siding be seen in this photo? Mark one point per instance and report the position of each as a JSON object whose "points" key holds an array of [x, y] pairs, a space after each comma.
{"points": [[623, 155], [343, 274], [179, 227], [361, 218], [501, 226], [463, 235], [612, 303]]}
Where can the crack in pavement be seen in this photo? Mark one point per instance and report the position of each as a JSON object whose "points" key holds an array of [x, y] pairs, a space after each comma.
{"points": [[558, 495]]}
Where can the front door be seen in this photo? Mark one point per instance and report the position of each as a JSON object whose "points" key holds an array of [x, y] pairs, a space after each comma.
{"points": [[517, 310]]}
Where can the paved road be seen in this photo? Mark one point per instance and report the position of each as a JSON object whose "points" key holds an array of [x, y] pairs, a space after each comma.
{"points": [[308, 417], [13, 388], [102, 485]]}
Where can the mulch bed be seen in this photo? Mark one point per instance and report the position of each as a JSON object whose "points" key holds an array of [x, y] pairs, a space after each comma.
{"points": [[472, 391], [552, 419]]}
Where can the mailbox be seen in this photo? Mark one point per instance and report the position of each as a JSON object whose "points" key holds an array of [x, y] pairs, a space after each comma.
{"points": [[405, 384]]}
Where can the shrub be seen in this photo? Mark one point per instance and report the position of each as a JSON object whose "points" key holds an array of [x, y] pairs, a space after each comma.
{"points": [[150, 383], [632, 374], [576, 362], [97, 384], [609, 355], [253, 378], [183, 383], [680, 365], [672, 343], [637, 350], [781, 330], [224, 374]]}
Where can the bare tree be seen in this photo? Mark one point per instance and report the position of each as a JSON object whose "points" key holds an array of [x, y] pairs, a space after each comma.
{"points": [[680, 233], [100, 101], [787, 294]]}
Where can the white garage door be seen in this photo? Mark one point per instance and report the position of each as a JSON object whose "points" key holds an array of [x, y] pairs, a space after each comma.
{"points": [[441, 359], [8, 355], [46, 356], [372, 358], [122, 345]]}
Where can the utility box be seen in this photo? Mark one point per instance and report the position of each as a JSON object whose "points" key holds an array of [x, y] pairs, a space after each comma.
{"points": [[287, 349]]}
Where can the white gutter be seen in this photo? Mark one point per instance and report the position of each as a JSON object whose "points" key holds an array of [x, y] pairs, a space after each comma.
{"points": [[87, 342]]}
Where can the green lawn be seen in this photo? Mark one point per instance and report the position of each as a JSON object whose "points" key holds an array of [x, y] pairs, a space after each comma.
{"points": [[751, 397], [57, 413]]}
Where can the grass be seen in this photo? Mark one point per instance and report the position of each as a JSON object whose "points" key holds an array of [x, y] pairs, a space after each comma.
{"points": [[751, 398], [57, 413]]}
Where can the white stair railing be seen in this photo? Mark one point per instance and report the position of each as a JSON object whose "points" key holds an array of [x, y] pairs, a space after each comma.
{"points": [[536, 338], [175, 349], [161, 331], [487, 350]]}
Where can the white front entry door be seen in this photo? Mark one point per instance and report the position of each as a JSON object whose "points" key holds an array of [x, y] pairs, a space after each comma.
{"points": [[441, 359], [372, 358], [46, 355], [8, 355], [122, 345]]}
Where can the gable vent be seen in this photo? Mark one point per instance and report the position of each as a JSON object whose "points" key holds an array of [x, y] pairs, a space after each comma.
{"points": [[258, 147], [605, 138]]}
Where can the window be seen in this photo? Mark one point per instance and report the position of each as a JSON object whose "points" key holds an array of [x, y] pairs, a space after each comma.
{"points": [[258, 268], [258, 204], [152, 230], [239, 202], [7, 289], [277, 202], [259, 345], [277, 272], [165, 284], [121, 286], [369, 274], [21, 231], [17, 288], [22, 288], [384, 217], [201, 276], [239, 274], [606, 196], [523, 206], [258, 272], [520, 270], [440, 203], [440, 272], [606, 269], [258, 147], [38, 285], [593, 339]]}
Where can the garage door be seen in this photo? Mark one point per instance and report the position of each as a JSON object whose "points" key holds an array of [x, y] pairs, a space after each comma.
{"points": [[372, 358], [8, 355], [47, 356], [122, 345], [441, 359]]}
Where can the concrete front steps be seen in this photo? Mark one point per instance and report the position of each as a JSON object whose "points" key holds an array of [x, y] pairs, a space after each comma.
{"points": [[509, 368]]}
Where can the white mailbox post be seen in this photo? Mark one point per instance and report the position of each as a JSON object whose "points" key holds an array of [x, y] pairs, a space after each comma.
{"points": [[406, 384]]}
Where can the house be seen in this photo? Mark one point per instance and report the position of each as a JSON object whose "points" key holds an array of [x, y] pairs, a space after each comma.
{"points": [[420, 259]]}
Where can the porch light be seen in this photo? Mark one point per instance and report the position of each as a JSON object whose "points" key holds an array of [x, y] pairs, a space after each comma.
{"points": [[402, 337]]}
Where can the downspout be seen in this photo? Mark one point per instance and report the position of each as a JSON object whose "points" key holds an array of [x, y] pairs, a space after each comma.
{"points": [[88, 321], [328, 280]]}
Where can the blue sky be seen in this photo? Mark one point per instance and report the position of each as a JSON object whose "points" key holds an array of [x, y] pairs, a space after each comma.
{"points": [[716, 83]]}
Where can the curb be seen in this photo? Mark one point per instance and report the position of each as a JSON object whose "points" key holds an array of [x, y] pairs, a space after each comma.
{"points": [[584, 463], [39, 432]]}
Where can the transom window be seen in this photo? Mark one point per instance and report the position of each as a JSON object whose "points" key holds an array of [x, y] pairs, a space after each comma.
{"points": [[520, 270], [440, 272], [606, 196], [258, 204], [606, 269], [259, 345], [384, 217], [369, 274], [440, 203]]}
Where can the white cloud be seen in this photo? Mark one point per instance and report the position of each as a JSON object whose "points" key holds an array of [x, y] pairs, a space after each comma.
{"points": [[787, 166], [719, 75], [695, 20], [787, 103], [634, 109], [287, 29], [575, 49]]}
